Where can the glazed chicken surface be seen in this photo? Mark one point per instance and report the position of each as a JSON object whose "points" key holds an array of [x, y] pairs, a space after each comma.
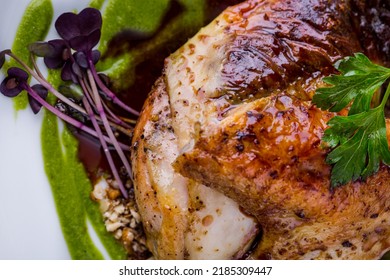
{"points": [[227, 154]]}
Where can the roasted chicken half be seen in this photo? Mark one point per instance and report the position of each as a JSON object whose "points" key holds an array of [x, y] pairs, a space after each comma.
{"points": [[228, 146]]}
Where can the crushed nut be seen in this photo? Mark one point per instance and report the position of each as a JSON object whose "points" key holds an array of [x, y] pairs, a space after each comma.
{"points": [[121, 218]]}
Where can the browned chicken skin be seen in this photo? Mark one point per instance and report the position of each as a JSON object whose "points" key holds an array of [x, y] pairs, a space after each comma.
{"points": [[251, 132]]}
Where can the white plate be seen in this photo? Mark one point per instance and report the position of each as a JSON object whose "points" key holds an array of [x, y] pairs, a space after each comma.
{"points": [[29, 226]]}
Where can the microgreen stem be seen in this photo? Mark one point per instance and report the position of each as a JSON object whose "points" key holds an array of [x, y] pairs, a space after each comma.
{"points": [[40, 78], [107, 127], [46, 84], [36, 68], [105, 148], [66, 118], [110, 94], [114, 117], [115, 122], [128, 120]]}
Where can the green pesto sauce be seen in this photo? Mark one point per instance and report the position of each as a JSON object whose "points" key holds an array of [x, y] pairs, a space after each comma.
{"points": [[97, 4], [33, 27], [121, 69], [71, 190], [67, 188], [139, 15]]}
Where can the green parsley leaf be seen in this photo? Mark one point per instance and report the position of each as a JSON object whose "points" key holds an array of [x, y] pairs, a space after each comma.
{"points": [[359, 80], [358, 140], [361, 145]]}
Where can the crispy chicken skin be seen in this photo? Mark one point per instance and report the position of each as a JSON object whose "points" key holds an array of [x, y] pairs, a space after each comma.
{"points": [[239, 120]]}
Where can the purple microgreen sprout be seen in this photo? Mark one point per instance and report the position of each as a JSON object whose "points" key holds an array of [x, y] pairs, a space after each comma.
{"points": [[42, 92], [24, 86], [42, 49], [13, 84], [81, 31], [81, 103]]}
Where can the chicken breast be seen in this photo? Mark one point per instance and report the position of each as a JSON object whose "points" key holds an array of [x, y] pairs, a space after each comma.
{"points": [[182, 219], [233, 114]]}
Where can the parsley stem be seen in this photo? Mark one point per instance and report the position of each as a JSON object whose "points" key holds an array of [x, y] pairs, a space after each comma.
{"points": [[384, 100]]}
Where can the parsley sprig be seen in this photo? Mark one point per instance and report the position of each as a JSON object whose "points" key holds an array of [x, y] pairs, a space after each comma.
{"points": [[358, 140]]}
